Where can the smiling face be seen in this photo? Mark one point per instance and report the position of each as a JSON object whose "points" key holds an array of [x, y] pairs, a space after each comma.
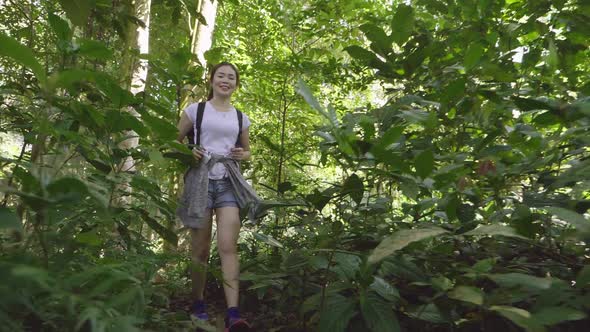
{"points": [[224, 81]]}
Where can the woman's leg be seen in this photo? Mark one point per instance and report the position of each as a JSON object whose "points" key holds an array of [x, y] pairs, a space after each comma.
{"points": [[200, 246], [228, 229]]}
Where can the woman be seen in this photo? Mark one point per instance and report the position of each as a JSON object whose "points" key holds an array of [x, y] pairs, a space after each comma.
{"points": [[220, 136]]}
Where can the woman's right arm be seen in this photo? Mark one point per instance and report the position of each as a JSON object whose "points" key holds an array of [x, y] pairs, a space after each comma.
{"points": [[184, 126]]}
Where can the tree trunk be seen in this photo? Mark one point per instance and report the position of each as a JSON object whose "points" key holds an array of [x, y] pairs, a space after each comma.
{"points": [[201, 40], [138, 74]]}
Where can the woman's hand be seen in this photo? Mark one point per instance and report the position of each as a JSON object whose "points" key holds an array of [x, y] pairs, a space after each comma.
{"points": [[198, 153], [240, 154]]}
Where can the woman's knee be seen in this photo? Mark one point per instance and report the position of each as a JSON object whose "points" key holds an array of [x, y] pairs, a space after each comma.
{"points": [[227, 248], [200, 252]]}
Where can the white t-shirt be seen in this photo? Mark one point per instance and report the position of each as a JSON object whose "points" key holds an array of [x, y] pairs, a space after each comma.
{"points": [[219, 132]]}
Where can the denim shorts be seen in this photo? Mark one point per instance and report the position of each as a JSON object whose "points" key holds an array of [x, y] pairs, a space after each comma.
{"points": [[220, 194]]}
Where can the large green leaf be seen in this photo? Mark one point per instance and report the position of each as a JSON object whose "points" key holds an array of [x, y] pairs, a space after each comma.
{"points": [[401, 239], [385, 289], [494, 229], [67, 189], [11, 48], [77, 10], [354, 187], [378, 313], [164, 232], [60, 27], [160, 127], [472, 55], [337, 312], [521, 280], [347, 266], [267, 239], [519, 317], [390, 136], [381, 43], [577, 220], [427, 312], [549, 316], [367, 58], [94, 49], [467, 294], [424, 163], [402, 24]]}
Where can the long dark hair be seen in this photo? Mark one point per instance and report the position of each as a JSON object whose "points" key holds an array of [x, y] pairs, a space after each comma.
{"points": [[214, 70]]}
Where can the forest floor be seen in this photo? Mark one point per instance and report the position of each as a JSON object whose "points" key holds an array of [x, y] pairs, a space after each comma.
{"points": [[262, 318]]}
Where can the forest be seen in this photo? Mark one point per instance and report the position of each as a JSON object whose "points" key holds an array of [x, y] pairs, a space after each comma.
{"points": [[424, 165]]}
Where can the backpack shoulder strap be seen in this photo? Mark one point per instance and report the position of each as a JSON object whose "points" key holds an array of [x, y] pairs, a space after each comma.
{"points": [[240, 121], [194, 135], [200, 111]]}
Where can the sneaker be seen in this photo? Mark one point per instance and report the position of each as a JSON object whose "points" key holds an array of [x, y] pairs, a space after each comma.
{"points": [[238, 325], [199, 310]]}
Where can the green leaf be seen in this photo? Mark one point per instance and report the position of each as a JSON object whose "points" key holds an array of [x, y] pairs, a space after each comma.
{"points": [[575, 219], [531, 104], [23, 55], [94, 49], [472, 55], [378, 313], [428, 312], [521, 280], [424, 163], [367, 58], [494, 229], [283, 187], [77, 10], [549, 316], [518, 316], [121, 121], [484, 265], [68, 78], [40, 276], [390, 136], [552, 57], [337, 312], [164, 232], [67, 190], [402, 24], [380, 42], [160, 127], [441, 283], [385, 289], [304, 91], [267, 239], [90, 238], [9, 219], [354, 187], [467, 294], [60, 27], [347, 266], [401, 239]]}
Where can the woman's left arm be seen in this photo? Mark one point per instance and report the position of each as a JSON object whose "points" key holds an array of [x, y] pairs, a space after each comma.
{"points": [[243, 152]]}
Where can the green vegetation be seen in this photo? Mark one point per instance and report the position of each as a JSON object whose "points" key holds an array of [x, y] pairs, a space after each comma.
{"points": [[427, 163]]}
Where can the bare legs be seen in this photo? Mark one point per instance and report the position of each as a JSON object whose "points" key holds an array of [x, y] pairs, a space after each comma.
{"points": [[228, 229], [200, 246]]}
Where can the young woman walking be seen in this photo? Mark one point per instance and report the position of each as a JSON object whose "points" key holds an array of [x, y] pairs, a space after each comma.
{"points": [[220, 139]]}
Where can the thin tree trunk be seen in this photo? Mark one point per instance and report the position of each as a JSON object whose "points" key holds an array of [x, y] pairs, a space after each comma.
{"points": [[201, 41], [139, 70]]}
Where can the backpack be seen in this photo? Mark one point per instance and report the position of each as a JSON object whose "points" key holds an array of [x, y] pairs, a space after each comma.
{"points": [[197, 126]]}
